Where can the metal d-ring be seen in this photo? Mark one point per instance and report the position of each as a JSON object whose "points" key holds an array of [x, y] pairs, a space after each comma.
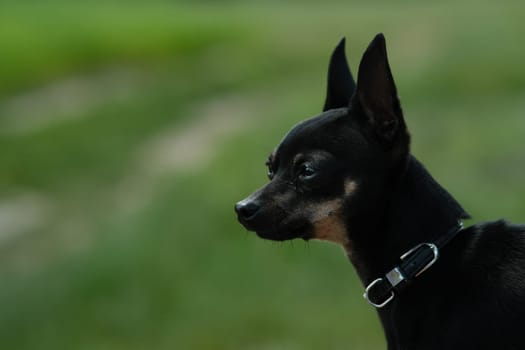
{"points": [[384, 303]]}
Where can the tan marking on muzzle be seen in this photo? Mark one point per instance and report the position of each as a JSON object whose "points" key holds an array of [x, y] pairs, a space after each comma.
{"points": [[327, 219], [328, 224]]}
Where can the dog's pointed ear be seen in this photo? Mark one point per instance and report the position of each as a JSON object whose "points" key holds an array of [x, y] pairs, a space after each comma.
{"points": [[341, 84], [376, 94]]}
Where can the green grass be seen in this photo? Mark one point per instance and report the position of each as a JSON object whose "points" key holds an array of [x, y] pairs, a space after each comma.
{"points": [[162, 263]]}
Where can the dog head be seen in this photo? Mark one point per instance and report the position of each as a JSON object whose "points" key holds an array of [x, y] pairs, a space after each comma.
{"points": [[332, 169]]}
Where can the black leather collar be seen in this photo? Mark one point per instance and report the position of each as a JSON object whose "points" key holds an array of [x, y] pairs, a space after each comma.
{"points": [[413, 263]]}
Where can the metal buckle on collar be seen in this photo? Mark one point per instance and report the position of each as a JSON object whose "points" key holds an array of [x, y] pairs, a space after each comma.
{"points": [[395, 276], [433, 248]]}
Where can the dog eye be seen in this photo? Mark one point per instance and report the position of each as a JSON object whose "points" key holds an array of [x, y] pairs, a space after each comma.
{"points": [[306, 172]]}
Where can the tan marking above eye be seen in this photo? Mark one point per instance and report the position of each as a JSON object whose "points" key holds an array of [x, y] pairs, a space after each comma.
{"points": [[350, 187]]}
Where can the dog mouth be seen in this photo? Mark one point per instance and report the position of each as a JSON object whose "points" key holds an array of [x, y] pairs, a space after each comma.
{"points": [[282, 232], [276, 225], [286, 233]]}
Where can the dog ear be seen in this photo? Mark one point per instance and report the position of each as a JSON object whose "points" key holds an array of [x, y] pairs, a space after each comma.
{"points": [[341, 84], [376, 94]]}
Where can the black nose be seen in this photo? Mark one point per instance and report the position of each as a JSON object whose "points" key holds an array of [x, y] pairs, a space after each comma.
{"points": [[246, 210]]}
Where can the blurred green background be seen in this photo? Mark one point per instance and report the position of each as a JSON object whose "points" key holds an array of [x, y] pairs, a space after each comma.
{"points": [[129, 129]]}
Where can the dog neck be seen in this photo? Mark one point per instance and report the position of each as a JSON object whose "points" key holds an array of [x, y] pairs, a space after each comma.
{"points": [[415, 209]]}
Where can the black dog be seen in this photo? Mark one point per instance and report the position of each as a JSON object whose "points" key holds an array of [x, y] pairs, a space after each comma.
{"points": [[347, 176]]}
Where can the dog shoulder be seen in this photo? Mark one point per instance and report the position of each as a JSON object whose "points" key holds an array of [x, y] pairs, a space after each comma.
{"points": [[495, 257]]}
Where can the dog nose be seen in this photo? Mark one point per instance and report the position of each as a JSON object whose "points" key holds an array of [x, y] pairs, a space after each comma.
{"points": [[246, 210]]}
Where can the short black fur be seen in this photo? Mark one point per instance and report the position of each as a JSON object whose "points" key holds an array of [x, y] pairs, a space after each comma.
{"points": [[347, 176]]}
